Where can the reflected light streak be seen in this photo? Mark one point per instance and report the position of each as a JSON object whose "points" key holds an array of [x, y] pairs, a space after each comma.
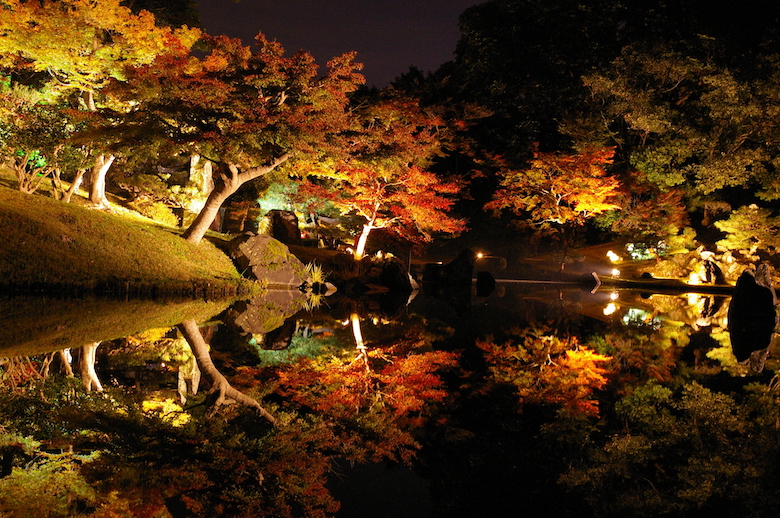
{"points": [[356, 331]]}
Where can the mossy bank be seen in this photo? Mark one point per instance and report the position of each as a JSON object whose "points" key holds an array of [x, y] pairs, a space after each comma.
{"points": [[52, 247]]}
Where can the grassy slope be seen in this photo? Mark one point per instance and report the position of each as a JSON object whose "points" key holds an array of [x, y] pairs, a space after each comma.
{"points": [[44, 240]]}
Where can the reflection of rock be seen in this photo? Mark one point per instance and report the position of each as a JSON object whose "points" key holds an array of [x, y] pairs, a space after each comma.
{"points": [[752, 317], [263, 314], [280, 338], [267, 259], [451, 281]]}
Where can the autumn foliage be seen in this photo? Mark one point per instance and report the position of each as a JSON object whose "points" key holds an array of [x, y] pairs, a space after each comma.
{"points": [[549, 370], [558, 189], [382, 173], [383, 400]]}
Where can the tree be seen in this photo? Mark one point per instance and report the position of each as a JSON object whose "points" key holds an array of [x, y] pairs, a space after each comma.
{"points": [[81, 44], [248, 112], [34, 138], [545, 369], [558, 189], [220, 386], [374, 399], [749, 229], [683, 118], [383, 176], [682, 452]]}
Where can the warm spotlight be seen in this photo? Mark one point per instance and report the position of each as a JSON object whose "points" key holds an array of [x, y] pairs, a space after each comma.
{"points": [[611, 308]]}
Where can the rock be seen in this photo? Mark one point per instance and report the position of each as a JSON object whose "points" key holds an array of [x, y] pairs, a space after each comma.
{"points": [[262, 257], [265, 313]]}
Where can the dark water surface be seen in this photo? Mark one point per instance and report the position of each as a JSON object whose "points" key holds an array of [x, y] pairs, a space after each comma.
{"points": [[665, 429]]}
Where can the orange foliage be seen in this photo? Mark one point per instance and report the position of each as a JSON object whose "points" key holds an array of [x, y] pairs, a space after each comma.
{"points": [[559, 189], [373, 409], [382, 174], [549, 370]]}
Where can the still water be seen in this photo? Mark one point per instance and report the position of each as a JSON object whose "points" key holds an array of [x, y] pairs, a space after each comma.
{"points": [[535, 399]]}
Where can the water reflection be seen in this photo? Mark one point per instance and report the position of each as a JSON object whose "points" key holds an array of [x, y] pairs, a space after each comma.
{"points": [[533, 397]]}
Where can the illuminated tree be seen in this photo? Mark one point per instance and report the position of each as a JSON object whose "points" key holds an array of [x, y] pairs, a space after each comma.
{"points": [[374, 399], [34, 137], [683, 118], [248, 112], [81, 44], [558, 189], [750, 229], [383, 176]]}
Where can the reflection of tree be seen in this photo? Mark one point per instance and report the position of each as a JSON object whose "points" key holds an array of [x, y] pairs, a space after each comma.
{"points": [[374, 398], [150, 464], [676, 452], [546, 369], [220, 386], [89, 378]]}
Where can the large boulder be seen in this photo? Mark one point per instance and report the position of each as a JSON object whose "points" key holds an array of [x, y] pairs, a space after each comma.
{"points": [[262, 257]]}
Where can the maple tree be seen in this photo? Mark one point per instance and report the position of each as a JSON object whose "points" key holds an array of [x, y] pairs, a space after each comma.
{"points": [[383, 174], [247, 111], [80, 45], [546, 369], [375, 399], [558, 189]]}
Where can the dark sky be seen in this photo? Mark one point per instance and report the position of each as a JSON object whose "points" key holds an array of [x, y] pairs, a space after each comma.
{"points": [[388, 35]]}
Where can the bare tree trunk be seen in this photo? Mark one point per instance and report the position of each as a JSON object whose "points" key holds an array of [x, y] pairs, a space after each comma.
{"points": [[220, 387], [222, 191], [89, 379], [360, 247], [74, 187], [97, 180], [188, 380], [230, 179], [65, 360], [360, 344]]}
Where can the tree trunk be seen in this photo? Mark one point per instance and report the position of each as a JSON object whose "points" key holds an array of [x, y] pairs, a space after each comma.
{"points": [[220, 387], [228, 182], [89, 378], [74, 187], [360, 248], [97, 187], [223, 189], [65, 360]]}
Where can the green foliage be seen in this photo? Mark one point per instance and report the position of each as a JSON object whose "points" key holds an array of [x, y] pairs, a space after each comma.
{"points": [[156, 211], [51, 485], [138, 349], [749, 229], [684, 119], [307, 347], [682, 451]]}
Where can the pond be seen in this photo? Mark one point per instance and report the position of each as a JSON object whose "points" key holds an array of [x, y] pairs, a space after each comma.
{"points": [[561, 393]]}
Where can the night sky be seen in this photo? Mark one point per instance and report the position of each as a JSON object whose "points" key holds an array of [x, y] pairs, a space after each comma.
{"points": [[388, 35]]}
